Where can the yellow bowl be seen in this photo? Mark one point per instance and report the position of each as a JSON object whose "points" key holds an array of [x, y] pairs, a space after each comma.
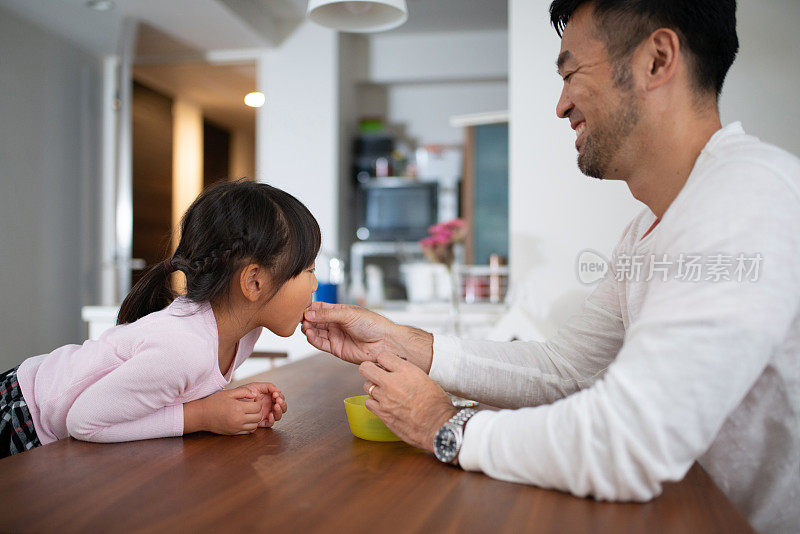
{"points": [[365, 424]]}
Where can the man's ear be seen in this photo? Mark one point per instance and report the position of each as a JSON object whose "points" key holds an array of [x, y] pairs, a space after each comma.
{"points": [[660, 55], [254, 281]]}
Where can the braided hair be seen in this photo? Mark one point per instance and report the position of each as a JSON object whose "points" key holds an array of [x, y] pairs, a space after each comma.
{"points": [[228, 226]]}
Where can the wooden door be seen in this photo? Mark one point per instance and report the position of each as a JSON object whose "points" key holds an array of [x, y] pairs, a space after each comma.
{"points": [[152, 176]]}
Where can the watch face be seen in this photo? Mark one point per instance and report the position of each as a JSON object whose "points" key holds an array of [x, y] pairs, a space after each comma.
{"points": [[445, 444]]}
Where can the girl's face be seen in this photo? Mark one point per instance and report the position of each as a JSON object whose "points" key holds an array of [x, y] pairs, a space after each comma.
{"points": [[285, 310]]}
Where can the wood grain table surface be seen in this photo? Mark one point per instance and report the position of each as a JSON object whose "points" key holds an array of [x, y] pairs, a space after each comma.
{"points": [[310, 474]]}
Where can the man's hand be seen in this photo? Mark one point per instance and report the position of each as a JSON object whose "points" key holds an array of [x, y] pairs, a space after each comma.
{"points": [[357, 335], [230, 412], [411, 404], [351, 333], [273, 403]]}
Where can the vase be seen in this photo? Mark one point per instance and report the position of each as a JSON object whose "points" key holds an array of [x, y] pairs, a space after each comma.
{"points": [[455, 297]]}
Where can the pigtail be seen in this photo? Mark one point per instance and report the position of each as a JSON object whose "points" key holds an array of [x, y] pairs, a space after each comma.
{"points": [[151, 293]]}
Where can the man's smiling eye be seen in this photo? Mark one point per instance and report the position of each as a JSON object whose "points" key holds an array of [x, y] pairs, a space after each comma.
{"points": [[568, 76]]}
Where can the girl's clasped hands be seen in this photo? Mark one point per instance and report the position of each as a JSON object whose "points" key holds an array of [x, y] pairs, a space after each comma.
{"points": [[244, 409], [272, 400]]}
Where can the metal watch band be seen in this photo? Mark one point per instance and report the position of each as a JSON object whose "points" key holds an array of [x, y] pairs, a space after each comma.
{"points": [[462, 416]]}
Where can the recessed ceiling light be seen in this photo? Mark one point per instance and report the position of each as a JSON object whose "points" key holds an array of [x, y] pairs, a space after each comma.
{"points": [[100, 5], [255, 100]]}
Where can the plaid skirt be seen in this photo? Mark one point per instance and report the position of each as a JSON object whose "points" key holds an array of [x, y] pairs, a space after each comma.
{"points": [[16, 424]]}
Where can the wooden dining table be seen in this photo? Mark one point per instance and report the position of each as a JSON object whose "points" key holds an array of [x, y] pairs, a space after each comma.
{"points": [[310, 474]]}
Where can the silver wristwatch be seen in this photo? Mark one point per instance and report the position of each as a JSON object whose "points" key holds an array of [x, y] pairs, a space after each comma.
{"points": [[449, 438]]}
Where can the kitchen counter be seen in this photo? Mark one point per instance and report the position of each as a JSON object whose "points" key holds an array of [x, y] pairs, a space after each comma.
{"points": [[476, 321]]}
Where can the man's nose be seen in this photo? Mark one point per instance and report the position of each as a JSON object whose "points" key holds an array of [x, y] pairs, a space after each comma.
{"points": [[564, 105]]}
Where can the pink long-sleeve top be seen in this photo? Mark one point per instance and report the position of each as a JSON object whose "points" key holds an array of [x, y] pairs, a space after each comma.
{"points": [[130, 383]]}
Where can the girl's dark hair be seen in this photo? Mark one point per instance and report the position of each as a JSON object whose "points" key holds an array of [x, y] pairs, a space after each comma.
{"points": [[228, 226]]}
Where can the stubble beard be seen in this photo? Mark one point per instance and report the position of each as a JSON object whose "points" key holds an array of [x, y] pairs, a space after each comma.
{"points": [[600, 146]]}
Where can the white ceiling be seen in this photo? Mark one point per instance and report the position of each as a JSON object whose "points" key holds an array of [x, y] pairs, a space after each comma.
{"points": [[204, 24], [217, 89], [233, 24], [454, 15]]}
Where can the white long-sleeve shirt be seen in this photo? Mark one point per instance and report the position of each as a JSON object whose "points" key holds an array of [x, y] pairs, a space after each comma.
{"points": [[655, 374]]}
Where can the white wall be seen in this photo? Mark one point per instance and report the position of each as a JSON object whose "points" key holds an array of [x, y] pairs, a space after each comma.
{"points": [[556, 211], [420, 112], [187, 159], [409, 57], [49, 144], [763, 85], [298, 127]]}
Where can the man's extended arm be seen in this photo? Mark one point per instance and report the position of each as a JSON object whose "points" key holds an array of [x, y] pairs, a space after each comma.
{"points": [[530, 373], [516, 374]]}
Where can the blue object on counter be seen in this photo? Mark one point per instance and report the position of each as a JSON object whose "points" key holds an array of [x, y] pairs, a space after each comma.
{"points": [[327, 293]]}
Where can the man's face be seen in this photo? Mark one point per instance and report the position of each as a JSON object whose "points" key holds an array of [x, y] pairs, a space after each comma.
{"points": [[597, 98]]}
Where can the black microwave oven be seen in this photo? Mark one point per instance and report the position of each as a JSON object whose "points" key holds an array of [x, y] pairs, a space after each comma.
{"points": [[396, 209]]}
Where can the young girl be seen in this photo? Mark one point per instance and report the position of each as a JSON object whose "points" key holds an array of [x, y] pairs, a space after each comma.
{"points": [[247, 250]]}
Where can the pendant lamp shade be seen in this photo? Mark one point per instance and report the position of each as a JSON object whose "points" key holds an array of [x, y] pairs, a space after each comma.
{"points": [[358, 16]]}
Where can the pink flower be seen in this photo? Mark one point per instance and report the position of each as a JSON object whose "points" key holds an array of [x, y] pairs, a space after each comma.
{"points": [[443, 233], [436, 228], [438, 246], [440, 239]]}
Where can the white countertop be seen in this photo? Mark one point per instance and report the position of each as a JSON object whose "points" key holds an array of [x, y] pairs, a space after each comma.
{"points": [[475, 322]]}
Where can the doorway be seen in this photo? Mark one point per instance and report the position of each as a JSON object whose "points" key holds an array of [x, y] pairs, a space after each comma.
{"points": [[152, 177], [191, 129]]}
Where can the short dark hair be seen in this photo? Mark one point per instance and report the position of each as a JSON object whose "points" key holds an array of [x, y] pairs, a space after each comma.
{"points": [[707, 28]]}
